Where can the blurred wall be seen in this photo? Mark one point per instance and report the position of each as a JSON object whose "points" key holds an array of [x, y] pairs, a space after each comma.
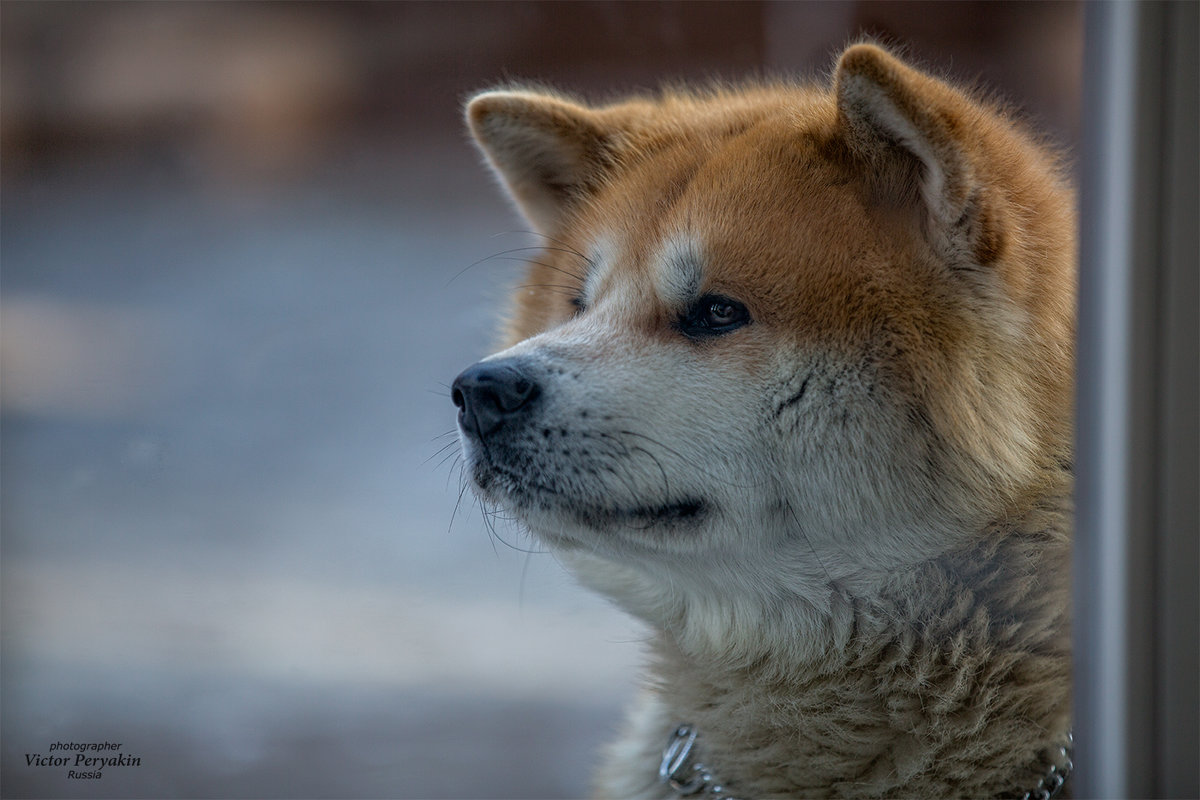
{"points": [[262, 85]]}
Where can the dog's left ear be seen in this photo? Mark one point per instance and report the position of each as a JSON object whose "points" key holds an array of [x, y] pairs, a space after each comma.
{"points": [[549, 152], [906, 126]]}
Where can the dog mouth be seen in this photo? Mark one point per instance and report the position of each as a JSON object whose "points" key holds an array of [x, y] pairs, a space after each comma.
{"points": [[526, 497], [684, 512]]}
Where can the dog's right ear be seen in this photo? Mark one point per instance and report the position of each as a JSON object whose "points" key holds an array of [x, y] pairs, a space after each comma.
{"points": [[548, 152], [895, 115]]}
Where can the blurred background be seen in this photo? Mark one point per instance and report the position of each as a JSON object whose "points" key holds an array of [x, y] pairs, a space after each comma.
{"points": [[244, 249]]}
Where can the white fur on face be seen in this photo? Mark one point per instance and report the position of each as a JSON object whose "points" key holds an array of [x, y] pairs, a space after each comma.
{"points": [[635, 443], [632, 446], [700, 480]]}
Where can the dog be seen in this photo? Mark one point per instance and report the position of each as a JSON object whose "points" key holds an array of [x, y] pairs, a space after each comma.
{"points": [[790, 380]]}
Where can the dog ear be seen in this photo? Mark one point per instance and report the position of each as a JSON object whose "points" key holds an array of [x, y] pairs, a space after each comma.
{"points": [[905, 124], [547, 151]]}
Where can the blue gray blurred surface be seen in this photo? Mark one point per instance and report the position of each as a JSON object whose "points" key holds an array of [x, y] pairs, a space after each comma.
{"points": [[233, 532]]}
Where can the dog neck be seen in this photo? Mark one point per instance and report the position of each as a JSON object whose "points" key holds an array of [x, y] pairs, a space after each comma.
{"points": [[954, 678], [686, 776]]}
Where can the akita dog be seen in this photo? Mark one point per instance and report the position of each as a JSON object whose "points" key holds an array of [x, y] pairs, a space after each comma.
{"points": [[791, 381]]}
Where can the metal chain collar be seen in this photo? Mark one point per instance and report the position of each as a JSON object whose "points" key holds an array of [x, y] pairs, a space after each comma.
{"points": [[690, 778], [1052, 782]]}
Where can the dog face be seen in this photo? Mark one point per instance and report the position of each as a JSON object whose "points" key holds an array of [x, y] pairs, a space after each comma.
{"points": [[777, 338]]}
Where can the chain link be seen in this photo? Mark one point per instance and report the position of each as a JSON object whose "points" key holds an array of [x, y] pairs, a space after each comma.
{"points": [[1052, 782], [687, 777]]}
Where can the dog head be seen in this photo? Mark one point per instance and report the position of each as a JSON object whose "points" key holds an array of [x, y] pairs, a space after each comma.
{"points": [[778, 340]]}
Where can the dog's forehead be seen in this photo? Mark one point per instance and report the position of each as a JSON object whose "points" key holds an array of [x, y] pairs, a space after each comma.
{"points": [[674, 217], [761, 217]]}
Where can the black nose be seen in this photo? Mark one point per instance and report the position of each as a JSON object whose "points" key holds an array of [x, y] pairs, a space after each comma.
{"points": [[490, 393]]}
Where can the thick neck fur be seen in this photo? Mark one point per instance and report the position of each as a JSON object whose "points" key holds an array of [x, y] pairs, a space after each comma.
{"points": [[952, 681]]}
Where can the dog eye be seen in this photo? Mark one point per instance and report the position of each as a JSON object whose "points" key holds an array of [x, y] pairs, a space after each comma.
{"points": [[578, 305], [723, 313], [713, 315]]}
